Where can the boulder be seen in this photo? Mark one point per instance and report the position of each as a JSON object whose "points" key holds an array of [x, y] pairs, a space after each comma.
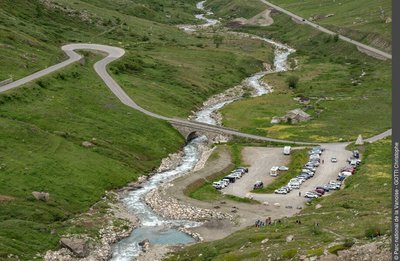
{"points": [[264, 241], [289, 238], [87, 144], [41, 195], [318, 206], [76, 245]]}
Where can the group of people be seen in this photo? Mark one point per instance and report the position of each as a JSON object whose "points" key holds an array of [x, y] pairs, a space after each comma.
{"points": [[259, 223]]}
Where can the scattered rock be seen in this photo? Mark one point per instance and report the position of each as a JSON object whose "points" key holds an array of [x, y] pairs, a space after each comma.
{"points": [[289, 238], [41, 195], [318, 206], [87, 144], [264, 241], [77, 246], [172, 209]]}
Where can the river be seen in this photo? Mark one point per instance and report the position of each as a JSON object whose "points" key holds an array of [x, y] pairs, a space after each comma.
{"points": [[153, 227]]}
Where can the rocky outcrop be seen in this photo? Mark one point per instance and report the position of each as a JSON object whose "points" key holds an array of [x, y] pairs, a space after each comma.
{"points": [[77, 246], [44, 196], [172, 209]]}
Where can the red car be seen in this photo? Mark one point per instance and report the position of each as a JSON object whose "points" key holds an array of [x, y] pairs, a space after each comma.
{"points": [[349, 169], [320, 191]]}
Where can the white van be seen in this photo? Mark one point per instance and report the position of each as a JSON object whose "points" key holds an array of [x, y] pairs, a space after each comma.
{"points": [[274, 171], [286, 150]]}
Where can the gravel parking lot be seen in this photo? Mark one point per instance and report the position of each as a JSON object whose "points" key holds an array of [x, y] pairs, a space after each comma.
{"points": [[261, 160]]}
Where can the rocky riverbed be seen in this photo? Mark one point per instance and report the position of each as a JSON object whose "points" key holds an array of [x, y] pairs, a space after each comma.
{"points": [[115, 224], [172, 209]]}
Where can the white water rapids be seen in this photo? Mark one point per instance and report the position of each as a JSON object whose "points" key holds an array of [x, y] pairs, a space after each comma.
{"points": [[153, 227]]}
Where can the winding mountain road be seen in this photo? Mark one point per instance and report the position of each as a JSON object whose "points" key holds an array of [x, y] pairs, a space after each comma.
{"points": [[115, 53], [323, 29]]}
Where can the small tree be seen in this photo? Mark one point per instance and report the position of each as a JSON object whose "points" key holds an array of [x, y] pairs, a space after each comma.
{"points": [[292, 81], [218, 39]]}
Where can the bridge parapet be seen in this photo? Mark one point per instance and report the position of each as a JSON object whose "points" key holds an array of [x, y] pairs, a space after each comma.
{"points": [[190, 132]]}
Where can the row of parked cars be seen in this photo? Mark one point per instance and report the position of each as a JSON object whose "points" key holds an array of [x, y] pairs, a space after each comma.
{"points": [[306, 173], [231, 178], [345, 172]]}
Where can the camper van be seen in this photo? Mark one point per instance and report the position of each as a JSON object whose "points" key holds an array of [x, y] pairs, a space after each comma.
{"points": [[274, 171], [286, 150]]}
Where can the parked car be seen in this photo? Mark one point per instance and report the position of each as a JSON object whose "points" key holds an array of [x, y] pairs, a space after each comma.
{"points": [[311, 164], [311, 168], [320, 191], [301, 179], [235, 175], [217, 185], [307, 171], [294, 185], [316, 150], [274, 171], [243, 168], [287, 188], [332, 187], [258, 185], [311, 195], [314, 163], [333, 159], [230, 178], [227, 182], [356, 154], [280, 191], [354, 163], [286, 150], [345, 173], [283, 168], [349, 169], [325, 188], [335, 183], [341, 178]]}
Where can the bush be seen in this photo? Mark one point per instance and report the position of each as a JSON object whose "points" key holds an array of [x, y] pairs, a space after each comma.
{"points": [[336, 38], [373, 231], [289, 253], [292, 81]]}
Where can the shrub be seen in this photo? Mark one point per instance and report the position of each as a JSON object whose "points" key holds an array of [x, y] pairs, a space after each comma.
{"points": [[292, 81], [290, 253], [336, 38], [373, 231]]}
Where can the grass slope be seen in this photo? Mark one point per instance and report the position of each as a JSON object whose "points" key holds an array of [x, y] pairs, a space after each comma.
{"points": [[42, 126], [330, 75], [354, 213], [363, 20]]}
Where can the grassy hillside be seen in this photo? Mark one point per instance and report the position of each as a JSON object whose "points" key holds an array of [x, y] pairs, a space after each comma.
{"points": [[160, 55], [230, 9], [42, 127], [363, 21], [44, 123], [330, 74], [353, 214], [367, 21]]}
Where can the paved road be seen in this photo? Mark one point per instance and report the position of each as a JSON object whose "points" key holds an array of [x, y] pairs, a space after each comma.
{"points": [[115, 53], [322, 29]]}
